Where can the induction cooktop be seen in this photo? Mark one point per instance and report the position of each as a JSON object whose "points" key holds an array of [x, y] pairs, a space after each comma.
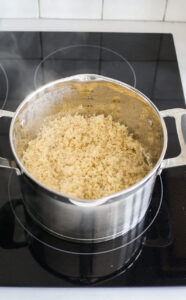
{"points": [[152, 254]]}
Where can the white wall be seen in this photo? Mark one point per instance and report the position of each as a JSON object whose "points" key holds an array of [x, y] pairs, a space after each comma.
{"points": [[148, 10]]}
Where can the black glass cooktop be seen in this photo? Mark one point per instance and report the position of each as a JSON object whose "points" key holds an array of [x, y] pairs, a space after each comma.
{"points": [[153, 253]]}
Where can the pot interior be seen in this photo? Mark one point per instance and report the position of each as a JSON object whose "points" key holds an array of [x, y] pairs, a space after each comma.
{"points": [[95, 95]]}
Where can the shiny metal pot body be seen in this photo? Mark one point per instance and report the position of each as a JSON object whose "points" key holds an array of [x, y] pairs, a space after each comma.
{"points": [[111, 216]]}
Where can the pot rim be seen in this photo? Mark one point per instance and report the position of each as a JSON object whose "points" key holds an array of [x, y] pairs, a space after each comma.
{"points": [[112, 197]]}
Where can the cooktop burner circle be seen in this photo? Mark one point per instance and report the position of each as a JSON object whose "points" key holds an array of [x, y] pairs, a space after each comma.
{"points": [[34, 231], [3, 86], [71, 60]]}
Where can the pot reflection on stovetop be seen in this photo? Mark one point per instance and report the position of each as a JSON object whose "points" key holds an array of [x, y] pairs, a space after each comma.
{"points": [[97, 264], [82, 264]]}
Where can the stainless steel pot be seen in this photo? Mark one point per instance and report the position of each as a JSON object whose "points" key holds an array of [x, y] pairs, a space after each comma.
{"points": [[110, 216]]}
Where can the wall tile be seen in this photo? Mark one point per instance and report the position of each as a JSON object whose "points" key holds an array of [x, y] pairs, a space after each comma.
{"points": [[19, 9], [176, 10], [71, 9], [134, 9]]}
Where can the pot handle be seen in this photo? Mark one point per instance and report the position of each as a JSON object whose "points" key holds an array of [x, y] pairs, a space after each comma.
{"points": [[6, 113], [179, 160], [9, 164], [5, 163]]}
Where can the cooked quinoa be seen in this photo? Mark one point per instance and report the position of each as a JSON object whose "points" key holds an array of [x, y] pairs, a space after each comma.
{"points": [[87, 157]]}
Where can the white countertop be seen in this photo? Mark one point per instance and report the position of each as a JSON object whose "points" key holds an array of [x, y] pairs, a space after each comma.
{"points": [[179, 32], [93, 293]]}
